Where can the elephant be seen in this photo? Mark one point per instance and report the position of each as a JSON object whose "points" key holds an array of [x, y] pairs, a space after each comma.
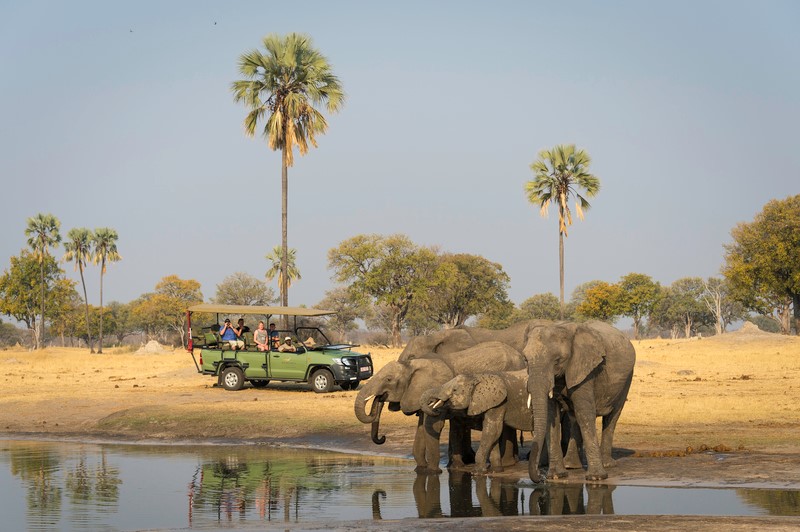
{"points": [[500, 398], [586, 368], [402, 382]]}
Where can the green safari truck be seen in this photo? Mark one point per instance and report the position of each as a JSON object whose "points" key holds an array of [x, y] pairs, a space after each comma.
{"points": [[316, 360]]}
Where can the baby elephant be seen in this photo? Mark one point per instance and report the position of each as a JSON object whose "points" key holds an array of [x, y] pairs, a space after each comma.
{"points": [[501, 398]]}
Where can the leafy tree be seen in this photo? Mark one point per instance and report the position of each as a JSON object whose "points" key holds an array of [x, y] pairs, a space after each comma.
{"points": [[172, 297], [283, 87], [579, 293], [348, 307], [762, 264], [10, 335], [275, 257], [152, 314], [42, 232], [20, 289], [499, 316], [601, 301], [391, 270], [462, 286], [681, 306], [539, 307], [105, 251], [243, 289], [117, 320], [638, 295], [558, 174], [79, 250]]}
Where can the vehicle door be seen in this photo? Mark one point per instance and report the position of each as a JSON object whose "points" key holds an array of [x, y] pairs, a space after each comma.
{"points": [[288, 365], [255, 361]]}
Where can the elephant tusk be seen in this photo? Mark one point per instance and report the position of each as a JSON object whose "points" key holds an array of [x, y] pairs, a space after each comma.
{"points": [[529, 401], [367, 400], [437, 404], [550, 395]]}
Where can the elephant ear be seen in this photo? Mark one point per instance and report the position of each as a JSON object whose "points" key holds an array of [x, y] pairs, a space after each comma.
{"points": [[588, 352], [489, 392]]}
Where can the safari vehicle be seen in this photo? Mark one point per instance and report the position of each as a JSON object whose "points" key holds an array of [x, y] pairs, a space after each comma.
{"points": [[317, 361]]}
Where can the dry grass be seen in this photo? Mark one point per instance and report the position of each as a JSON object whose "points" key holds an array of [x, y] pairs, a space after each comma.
{"points": [[738, 390]]}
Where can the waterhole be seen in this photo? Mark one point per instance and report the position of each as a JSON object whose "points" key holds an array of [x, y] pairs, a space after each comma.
{"points": [[74, 486]]}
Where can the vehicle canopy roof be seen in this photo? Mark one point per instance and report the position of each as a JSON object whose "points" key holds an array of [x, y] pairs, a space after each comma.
{"points": [[259, 309]]}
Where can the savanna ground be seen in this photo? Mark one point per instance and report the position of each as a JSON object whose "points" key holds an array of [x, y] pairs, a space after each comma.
{"points": [[718, 411]]}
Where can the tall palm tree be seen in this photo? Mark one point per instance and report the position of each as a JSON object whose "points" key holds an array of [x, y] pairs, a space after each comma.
{"points": [[276, 259], [42, 233], [105, 251], [283, 87], [79, 249], [558, 174]]}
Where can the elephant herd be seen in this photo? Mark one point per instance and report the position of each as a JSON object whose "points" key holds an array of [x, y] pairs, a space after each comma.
{"points": [[527, 377]]}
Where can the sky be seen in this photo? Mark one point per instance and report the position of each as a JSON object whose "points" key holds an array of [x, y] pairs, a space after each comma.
{"points": [[120, 114]]}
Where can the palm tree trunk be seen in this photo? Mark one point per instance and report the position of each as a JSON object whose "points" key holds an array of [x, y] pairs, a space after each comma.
{"points": [[561, 271], [284, 277], [100, 345], [40, 339], [86, 306]]}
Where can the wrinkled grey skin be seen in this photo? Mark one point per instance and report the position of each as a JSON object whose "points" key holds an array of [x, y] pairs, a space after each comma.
{"points": [[499, 398], [587, 368], [401, 384]]}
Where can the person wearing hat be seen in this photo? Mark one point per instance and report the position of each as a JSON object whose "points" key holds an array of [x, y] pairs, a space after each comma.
{"points": [[287, 346], [228, 334]]}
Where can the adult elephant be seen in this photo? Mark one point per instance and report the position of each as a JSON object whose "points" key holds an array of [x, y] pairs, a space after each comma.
{"points": [[402, 383], [587, 368]]}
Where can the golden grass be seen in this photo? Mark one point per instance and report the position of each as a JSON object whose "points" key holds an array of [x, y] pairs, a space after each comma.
{"points": [[737, 390]]}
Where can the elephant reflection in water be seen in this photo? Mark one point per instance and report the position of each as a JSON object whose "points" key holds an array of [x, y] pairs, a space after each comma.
{"points": [[568, 500], [495, 498]]}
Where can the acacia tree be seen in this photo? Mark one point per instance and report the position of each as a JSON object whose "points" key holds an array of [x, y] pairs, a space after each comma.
{"points": [[42, 233], [284, 86], [558, 175], [601, 301], [78, 248], [172, 297], [762, 264], [539, 307], [390, 270], [105, 251], [348, 307]]}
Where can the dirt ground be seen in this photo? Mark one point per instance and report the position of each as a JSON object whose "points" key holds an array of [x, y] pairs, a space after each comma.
{"points": [[716, 412]]}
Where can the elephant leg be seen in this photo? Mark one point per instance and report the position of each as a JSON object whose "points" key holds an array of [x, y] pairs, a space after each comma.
{"points": [[490, 435], [459, 447], [599, 499], [609, 426], [572, 457], [585, 412], [427, 496], [509, 449], [556, 469], [432, 432], [419, 446]]}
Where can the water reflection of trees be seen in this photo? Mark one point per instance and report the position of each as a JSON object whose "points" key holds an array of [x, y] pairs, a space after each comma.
{"points": [[234, 485], [775, 502], [496, 497], [48, 476]]}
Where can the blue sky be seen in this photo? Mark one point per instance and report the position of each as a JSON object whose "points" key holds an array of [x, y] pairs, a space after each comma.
{"points": [[120, 114]]}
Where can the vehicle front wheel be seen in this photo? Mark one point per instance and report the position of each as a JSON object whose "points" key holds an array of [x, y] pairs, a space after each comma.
{"points": [[322, 381], [260, 383], [232, 378]]}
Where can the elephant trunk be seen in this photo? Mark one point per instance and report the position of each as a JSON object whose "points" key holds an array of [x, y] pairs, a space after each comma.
{"points": [[375, 412], [359, 407], [539, 386]]}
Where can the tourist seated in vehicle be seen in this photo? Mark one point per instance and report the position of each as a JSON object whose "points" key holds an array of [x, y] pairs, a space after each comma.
{"points": [[287, 346], [261, 337], [274, 337], [228, 334]]}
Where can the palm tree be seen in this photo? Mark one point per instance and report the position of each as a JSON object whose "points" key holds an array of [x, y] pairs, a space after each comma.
{"points": [[284, 85], [276, 258], [558, 174], [105, 250], [79, 249], [42, 233]]}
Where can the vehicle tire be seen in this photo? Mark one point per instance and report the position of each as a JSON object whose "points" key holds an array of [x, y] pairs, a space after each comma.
{"points": [[260, 383], [232, 378], [322, 381]]}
